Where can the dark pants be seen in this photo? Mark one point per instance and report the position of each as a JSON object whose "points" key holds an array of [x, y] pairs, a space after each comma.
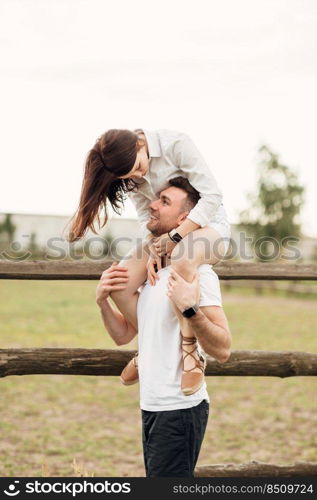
{"points": [[172, 440]]}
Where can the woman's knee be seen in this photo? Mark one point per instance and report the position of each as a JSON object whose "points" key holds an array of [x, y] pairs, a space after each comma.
{"points": [[203, 246], [184, 266], [135, 262]]}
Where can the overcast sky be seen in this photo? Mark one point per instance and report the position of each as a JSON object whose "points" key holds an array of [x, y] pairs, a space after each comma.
{"points": [[232, 74]]}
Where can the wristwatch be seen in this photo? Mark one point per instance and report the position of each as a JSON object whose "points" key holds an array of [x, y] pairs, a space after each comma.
{"points": [[188, 313], [174, 236]]}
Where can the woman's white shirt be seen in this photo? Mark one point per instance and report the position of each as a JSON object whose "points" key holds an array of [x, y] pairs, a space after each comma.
{"points": [[172, 154]]}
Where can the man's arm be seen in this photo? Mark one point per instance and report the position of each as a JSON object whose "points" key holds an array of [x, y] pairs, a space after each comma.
{"points": [[121, 330], [210, 326]]}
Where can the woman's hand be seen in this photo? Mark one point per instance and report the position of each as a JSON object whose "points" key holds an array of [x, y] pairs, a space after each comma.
{"points": [[112, 279], [164, 245], [153, 265]]}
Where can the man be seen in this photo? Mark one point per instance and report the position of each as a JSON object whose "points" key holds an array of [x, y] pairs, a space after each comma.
{"points": [[173, 423]]}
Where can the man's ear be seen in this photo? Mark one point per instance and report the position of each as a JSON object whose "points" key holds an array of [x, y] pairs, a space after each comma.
{"points": [[182, 217]]}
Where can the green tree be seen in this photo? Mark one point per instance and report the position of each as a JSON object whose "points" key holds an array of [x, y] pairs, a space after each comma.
{"points": [[8, 228], [276, 204]]}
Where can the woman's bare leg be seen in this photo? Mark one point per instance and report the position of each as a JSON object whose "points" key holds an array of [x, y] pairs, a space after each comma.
{"points": [[126, 300], [202, 246]]}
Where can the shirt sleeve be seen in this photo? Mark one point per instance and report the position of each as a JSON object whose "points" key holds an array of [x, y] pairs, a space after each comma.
{"points": [[210, 293], [141, 203], [195, 169]]}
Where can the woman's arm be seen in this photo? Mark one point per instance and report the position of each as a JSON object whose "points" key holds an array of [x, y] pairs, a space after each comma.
{"points": [[189, 160], [163, 244], [187, 226]]}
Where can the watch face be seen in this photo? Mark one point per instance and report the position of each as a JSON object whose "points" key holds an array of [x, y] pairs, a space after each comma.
{"points": [[190, 311], [176, 237]]}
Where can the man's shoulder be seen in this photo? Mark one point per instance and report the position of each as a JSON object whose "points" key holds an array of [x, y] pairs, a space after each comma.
{"points": [[207, 269], [210, 292]]}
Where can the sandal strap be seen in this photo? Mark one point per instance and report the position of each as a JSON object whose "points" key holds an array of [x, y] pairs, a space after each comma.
{"points": [[188, 340], [192, 341], [135, 359]]}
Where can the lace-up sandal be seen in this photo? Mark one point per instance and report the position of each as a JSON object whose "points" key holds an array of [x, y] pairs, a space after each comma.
{"points": [[130, 374], [192, 381]]}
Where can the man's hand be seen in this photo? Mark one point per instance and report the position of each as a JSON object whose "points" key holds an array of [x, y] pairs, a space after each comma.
{"points": [[183, 293], [113, 278], [164, 245]]}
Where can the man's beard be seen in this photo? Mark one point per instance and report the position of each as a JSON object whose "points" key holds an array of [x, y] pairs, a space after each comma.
{"points": [[160, 229]]}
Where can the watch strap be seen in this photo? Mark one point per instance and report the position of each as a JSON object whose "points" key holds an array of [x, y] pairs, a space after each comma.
{"points": [[188, 313], [176, 237]]}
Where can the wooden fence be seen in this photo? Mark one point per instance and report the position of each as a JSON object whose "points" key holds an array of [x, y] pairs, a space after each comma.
{"points": [[290, 289], [111, 362], [68, 270]]}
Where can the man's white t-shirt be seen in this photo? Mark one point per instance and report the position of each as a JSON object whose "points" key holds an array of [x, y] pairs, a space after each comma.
{"points": [[160, 354]]}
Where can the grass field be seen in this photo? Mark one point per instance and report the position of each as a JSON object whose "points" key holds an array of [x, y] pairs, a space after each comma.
{"points": [[79, 425]]}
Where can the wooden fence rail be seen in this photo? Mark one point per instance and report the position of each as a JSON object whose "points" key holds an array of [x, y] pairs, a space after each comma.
{"points": [[290, 288], [111, 362], [69, 270], [257, 469]]}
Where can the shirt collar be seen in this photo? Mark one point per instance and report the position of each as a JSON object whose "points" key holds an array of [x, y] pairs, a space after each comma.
{"points": [[153, 143]]}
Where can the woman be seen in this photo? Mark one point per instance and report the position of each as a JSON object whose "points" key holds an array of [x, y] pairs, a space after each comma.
{"points": [[140, 163]]}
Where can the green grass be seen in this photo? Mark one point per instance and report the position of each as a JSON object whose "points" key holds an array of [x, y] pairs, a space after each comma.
{"points": [[56, 425]]}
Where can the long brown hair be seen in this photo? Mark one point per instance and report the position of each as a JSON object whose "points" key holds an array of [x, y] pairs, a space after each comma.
{"points": [[113, 155]]}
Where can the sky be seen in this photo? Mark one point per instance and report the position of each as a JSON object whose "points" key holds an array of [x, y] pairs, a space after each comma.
{"points": [[232, 74]]}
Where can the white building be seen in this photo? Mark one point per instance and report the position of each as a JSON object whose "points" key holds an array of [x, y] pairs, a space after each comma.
{"points": [[51, 230]]}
